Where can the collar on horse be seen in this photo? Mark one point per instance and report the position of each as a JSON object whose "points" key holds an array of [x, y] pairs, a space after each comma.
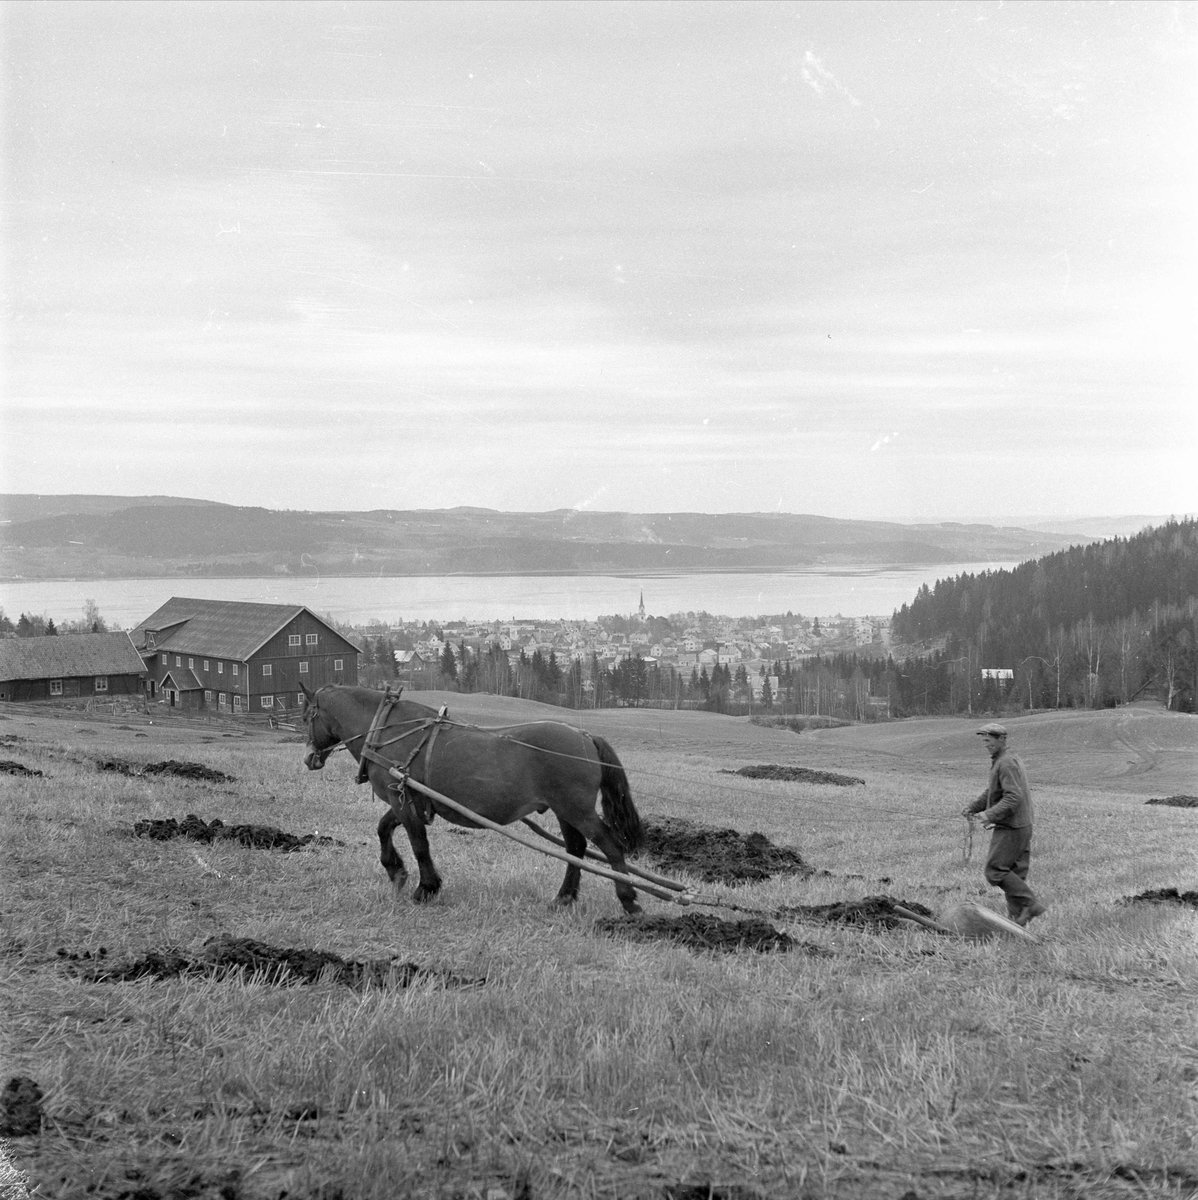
{"points": [[372, 746]]}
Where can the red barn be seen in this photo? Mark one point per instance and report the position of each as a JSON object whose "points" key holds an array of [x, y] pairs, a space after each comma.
{"points": [[232, 656]]}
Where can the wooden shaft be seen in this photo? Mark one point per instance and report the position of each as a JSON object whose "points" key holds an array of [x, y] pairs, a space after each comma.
{"points": [[582, 864], [651, 876]]}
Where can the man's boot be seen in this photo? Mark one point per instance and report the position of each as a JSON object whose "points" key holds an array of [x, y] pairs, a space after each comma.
{"points": [[1037, 908]]}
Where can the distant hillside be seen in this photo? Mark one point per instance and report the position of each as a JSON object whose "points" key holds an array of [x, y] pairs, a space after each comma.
{"points": [[98, 536], [1086, 626]]}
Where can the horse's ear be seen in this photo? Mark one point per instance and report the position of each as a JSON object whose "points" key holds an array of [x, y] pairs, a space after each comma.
{"points": [[308, 696]]}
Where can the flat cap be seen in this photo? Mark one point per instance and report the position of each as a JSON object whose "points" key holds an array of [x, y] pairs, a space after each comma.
{"points": [[994, 729]]}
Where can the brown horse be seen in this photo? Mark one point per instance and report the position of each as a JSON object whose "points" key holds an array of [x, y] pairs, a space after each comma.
{"points": [[503, 774]]}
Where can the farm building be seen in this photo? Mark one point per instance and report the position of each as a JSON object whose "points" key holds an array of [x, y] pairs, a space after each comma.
{"points": [[232, 656], [70, 667]]}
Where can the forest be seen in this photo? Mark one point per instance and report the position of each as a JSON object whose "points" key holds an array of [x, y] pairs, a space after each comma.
{"points": [[1092, 626]]}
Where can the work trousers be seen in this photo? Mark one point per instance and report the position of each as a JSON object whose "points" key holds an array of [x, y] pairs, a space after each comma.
{"points": [[1007, 864]]}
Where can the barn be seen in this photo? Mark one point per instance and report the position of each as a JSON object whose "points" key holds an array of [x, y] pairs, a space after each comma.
{"points": [[234, 656], [70, 667]]}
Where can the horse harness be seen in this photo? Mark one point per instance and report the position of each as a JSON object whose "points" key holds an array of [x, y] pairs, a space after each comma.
{"points": [[371, 748]]}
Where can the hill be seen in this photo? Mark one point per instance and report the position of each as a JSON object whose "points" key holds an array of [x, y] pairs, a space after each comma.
{"points": [[107, 536], [1086, 626]]}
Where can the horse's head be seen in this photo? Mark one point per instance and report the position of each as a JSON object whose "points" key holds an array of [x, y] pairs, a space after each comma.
{"points": [[323, 735]]}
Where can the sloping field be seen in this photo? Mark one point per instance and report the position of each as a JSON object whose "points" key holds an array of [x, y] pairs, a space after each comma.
{"points": [[214, 1020]]}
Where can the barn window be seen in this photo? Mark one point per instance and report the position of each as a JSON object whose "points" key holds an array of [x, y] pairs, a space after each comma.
{"points": [[55, 687], [293, 639], [101, 683], [338, 664], [267, 669], [235, 668], [303, 668], [220, 668], [205, 664], [178, 661], [221, 699], [268, 702], [207, 696], [191, 664], [299, 699], [236, 703], [310, 639]]}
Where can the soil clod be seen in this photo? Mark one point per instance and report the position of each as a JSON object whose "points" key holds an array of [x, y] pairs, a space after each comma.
{"points": [[699, 931], [224, 956], [21, 1107], [795, 775], [260, 837], [1165, 896], [719, 855], [182, 770], [10, 766], [1175, 801], [875, 911]]}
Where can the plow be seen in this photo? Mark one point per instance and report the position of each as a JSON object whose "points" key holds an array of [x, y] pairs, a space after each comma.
{"points": [[969, 921]]}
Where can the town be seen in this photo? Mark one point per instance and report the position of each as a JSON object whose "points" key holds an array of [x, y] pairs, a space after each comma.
{"points": [[682, 653]]}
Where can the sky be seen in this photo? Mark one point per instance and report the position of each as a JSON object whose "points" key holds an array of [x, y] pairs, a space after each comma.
{"points": [[911, 262]]}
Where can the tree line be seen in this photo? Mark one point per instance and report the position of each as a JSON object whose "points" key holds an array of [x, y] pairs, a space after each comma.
{"points": [[1090, 626]]}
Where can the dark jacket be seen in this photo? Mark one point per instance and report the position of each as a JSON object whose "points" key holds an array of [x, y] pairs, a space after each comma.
{"points": [[1007, 800]]}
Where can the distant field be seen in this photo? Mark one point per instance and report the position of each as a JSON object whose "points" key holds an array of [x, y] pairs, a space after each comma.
{"points": [[894, 1062]]}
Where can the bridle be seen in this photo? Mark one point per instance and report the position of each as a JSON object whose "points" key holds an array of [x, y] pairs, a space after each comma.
{"points": [[311, 712]]}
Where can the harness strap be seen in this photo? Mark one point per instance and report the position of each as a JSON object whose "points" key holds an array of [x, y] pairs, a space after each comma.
{"points": [[371, 747], [380, 719]]}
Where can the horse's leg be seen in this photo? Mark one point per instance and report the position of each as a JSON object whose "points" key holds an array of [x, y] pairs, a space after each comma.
{"points": [[430, 881], [593, 827], [388, 855], [576, 844]]}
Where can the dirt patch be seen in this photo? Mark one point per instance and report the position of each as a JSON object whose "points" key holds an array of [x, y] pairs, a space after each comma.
{"points": [[223, 957], [20, 1108], [873, 911], [796, 775], [260, 837], [1175, 801], [182, 770], [718, 855], [699, 931], [1165, 896], [10, 766]]}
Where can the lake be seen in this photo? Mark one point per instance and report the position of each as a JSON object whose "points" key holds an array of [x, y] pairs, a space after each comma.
{"points": [[358, 600]]}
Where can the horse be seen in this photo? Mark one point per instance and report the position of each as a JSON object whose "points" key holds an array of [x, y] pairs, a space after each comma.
{"points": [[502, 773]]}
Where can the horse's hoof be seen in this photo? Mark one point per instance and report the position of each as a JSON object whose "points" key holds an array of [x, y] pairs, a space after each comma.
{"points": [[633, 909], [422, 895], [398, 882]]}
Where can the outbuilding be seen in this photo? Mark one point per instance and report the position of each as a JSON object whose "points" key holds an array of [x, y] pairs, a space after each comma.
{"points": [[234, 656], [70, 666]]}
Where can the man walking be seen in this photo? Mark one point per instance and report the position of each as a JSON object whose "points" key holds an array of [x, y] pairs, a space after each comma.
{"points": [[1006, 807]]}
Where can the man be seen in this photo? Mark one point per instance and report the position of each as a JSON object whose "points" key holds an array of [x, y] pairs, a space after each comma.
{"points": [[1006, 807]]}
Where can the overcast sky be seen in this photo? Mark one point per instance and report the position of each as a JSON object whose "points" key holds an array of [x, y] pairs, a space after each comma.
{"points": [[901, 261]]}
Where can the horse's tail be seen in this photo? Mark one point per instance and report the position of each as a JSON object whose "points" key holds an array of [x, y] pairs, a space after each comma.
{"points": [[618, 810]]}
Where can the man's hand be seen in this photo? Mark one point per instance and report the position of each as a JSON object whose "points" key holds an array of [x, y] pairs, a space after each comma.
{"points": [[967, 812]]}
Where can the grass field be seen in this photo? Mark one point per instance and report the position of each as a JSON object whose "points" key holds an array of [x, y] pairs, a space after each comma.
{"points": [[898, 1064]]}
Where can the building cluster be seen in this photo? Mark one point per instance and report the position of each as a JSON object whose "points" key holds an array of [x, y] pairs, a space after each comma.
{"points": [[244, 658], [203, 655], [685, 642]]}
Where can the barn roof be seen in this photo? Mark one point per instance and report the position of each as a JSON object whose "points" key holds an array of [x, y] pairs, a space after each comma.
{"points": [[68, 655], [221, 628]]}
